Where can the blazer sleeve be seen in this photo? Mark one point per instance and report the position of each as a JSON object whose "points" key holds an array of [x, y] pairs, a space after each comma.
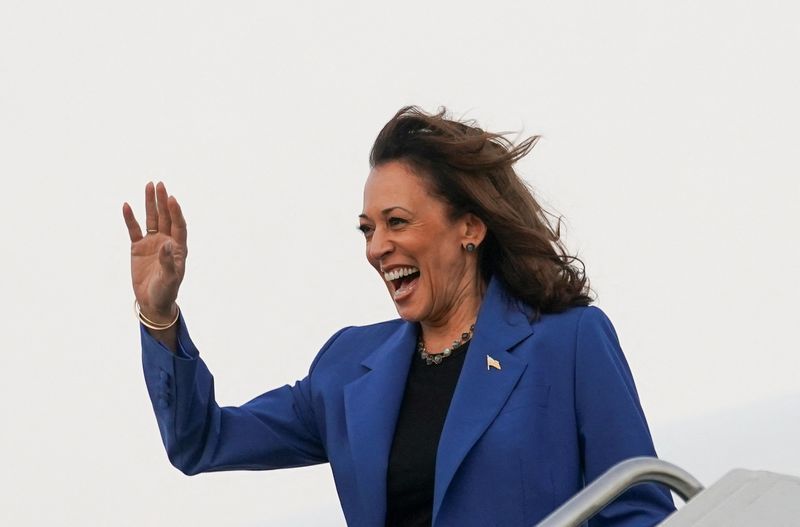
{"points": [[275, 430], [611, 423]]}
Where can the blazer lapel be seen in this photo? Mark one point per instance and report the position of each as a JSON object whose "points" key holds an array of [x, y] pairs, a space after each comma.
{"points": [[372, 403], [481, 390]]}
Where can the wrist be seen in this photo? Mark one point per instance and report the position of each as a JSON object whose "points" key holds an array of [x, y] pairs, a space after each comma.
{"points": [[162, 316], [157, 319]]}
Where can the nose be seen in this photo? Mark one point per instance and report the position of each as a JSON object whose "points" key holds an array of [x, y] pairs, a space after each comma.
{"points": [[379, 245]]}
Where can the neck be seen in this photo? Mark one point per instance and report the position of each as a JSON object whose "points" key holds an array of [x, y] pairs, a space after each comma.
{"points": [[440, 334]]}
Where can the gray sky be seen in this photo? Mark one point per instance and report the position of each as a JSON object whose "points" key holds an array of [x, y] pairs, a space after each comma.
{"points": [[670, 147]]}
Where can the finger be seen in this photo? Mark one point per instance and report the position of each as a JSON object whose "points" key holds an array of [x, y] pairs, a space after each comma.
{"points": [[151, 212], [134, 231], [179, 261], [166, 258], [164, 221], [178, 232]]}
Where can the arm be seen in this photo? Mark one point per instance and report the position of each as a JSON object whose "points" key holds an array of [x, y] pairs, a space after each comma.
{"points": [[274, 430], [611, 423]]}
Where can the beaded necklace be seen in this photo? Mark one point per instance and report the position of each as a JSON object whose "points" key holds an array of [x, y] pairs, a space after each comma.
{"points": [[437, 358]]}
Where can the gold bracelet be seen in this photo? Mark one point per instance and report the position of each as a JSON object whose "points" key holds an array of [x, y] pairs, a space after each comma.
{"points": [[146, 322]]}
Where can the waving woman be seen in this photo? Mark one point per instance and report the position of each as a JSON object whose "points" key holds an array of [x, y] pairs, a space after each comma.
{"points": [[496, 395]]}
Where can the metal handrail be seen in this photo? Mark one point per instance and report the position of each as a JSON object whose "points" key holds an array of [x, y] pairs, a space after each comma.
{"points": [[617, 480]]}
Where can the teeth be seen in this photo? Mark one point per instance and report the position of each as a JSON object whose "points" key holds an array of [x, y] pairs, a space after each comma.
{"points": [[399, 273]]}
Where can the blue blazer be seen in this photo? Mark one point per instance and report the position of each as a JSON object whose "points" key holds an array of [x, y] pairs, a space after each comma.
{"points": [[517, 442]]}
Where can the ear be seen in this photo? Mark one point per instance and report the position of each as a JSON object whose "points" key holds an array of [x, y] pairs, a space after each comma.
{"points": [[474, 229]]}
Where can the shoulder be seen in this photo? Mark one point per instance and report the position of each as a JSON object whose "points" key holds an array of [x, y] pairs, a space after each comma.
{"points": [[371, 331], [569, 337], [575, 320], [349, 343], [580, 344]]}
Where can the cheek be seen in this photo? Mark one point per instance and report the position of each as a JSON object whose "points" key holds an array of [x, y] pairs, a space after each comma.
{"points": [[371, 261], [442, 269], [375, 264], [447, 258]]}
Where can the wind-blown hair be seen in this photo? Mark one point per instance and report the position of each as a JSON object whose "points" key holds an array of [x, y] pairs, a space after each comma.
{"points": [[472, 171]]}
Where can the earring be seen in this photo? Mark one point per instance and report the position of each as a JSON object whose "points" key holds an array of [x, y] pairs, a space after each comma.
{"points": [[470, 247]]}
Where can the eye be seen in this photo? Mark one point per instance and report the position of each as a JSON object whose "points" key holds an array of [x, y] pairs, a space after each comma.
{"points": [[365, 229], [394, 221]]}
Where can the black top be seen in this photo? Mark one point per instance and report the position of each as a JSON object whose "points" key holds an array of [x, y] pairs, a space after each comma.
{"points": [[412, 460]]}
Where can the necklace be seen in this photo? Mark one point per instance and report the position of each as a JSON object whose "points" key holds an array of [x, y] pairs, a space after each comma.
{"points": [[437, 358]]}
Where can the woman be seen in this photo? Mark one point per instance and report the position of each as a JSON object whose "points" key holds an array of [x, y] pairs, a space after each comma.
{"points": [[492, 399]]}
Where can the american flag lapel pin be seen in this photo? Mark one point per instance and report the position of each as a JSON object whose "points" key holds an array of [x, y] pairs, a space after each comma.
{"points": [[492, 363]]}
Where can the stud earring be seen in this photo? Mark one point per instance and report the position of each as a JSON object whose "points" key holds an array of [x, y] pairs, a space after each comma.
{"points": [[470, 247]]}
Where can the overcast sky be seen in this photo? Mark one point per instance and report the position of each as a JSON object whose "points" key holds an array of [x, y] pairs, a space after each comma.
{"points": [[669, 147]]}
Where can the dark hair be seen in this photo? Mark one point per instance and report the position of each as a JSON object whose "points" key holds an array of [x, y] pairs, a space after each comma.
{"points": [[471, 170]]}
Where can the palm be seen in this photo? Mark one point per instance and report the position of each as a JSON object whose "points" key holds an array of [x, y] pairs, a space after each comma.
{"points": [[157, 259], [151, 284]]}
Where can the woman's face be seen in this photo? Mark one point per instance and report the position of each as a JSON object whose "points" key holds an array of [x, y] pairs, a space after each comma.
{"points": [[416, 248]]}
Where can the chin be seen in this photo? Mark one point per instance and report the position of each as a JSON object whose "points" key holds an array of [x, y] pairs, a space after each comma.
{"points": [[413, 313], [406, 314]]}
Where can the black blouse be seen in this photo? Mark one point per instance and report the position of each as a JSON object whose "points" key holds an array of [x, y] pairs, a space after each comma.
{"points": [[412, 460]]}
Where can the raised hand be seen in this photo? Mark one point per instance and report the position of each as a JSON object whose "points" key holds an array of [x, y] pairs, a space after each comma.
{"points": [[158, 258]]}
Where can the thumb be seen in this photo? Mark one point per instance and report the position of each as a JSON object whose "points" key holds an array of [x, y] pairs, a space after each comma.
{"points": [[166, 258]]}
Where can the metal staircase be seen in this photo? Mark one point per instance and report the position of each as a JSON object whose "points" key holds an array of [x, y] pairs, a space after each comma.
{"points": [[742, 498]]}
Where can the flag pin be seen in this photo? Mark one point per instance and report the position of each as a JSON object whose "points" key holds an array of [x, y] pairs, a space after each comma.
{"points": [[492, 363]]}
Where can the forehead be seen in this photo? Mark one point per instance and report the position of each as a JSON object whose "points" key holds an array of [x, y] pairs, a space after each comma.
{"points": [[394, 184]]}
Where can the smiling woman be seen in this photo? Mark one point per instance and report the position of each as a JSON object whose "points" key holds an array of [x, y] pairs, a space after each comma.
{"points": [[494, 397], [421, 252]]}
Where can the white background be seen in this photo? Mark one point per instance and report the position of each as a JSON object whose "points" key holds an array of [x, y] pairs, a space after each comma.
{"points": [[670, 147]]}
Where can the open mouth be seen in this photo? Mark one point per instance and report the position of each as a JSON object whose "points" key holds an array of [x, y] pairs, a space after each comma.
{"points": [[403, 280]]}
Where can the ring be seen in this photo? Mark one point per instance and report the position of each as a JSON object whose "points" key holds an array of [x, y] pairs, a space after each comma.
{"points": [[152, 231]]}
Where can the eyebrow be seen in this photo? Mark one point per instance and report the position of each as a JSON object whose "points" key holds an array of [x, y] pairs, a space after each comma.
{"points": [[385, 211]]}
